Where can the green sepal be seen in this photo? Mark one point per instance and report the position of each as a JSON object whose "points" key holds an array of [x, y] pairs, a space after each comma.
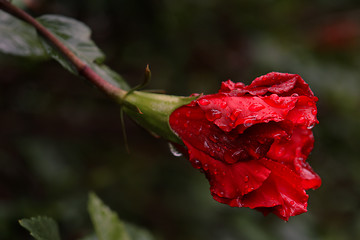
{"points": [[152, 111]]}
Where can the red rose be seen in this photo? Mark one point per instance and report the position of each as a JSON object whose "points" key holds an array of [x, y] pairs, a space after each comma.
{"points": [[252, 142]]}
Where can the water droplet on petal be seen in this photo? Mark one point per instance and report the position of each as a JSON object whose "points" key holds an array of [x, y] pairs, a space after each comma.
{"points": [[235, 114], [206, 145], [198, 131], [311, 126], [255, 107], [294, 95], [186, 124], [214, 138], [197, 162], [314, 111], [188, 113], [280, 152], [302, 120], [174, 151], [275, 98], [239, 155], [246, 178], [213, 114], [292, 203], [239, 202], [248, 123], [203, 102], [223, 105], [206, 166]]}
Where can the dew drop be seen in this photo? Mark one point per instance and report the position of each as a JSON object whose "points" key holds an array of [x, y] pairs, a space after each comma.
{"points": [[292, 203], [314, 111], [294, 95], [174, 151], [188, 113], [223, 104], [204, 102], [311, 126], [239, 155], [246, 188], [255, 107], [198, 131], [302, 120], [275, 98], [214, 138], [197, 163], [280, 152], [246, 178], [206, 166], [282, 212], [239, 202], [248, 123], [235, 114], [186, 124], [213, 114], [206, 145], [221, 194], [230, 158]]}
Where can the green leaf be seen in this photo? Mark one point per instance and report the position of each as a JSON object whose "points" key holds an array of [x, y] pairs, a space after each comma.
{"points": [[76, 36], [107, 224], [41, 228], [19, 38]]}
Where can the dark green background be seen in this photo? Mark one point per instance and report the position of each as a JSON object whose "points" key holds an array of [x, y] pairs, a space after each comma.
{"points": [[60, 137]]}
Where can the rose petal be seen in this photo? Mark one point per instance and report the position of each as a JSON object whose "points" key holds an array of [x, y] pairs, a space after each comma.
{"points": [[282, 191]]}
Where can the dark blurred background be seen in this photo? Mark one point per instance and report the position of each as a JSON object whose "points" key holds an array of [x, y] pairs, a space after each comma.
{"points": [[61, 138]]}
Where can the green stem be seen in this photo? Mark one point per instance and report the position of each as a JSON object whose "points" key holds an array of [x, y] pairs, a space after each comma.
{"points": [[81, 66]]}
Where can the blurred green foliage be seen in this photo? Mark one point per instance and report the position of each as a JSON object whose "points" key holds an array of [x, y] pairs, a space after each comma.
{"points": [[60, 137]]}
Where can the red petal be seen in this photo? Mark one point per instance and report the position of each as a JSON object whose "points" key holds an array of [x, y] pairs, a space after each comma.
{"points": [[282, 191], [243, 112], [228, 181], [283, 84], [293, 152]]}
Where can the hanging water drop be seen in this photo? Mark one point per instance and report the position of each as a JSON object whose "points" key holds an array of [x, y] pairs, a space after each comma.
{"points": [[248, 123], [311, 126], [174, 151], [197, 163]]}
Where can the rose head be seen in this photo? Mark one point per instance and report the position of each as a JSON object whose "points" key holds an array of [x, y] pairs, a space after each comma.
{"points": [[252, 142]]}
